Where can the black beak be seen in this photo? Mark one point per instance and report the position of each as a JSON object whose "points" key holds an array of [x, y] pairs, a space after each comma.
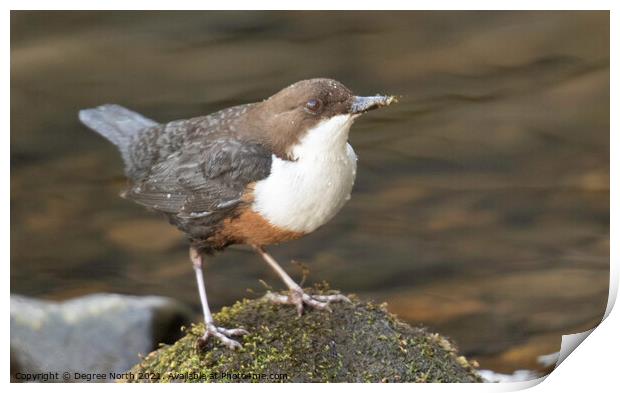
{"points": [[364, 104]]}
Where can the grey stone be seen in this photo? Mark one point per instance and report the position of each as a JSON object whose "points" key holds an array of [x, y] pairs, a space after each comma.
{"points": [[100, 333]]}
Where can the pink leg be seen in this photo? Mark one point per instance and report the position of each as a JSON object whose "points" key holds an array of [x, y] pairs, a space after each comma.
{"points": [[297, 296], [220, 333]]}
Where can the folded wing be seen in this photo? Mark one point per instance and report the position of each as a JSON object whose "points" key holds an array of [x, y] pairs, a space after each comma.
{"points": [[204, 178]]}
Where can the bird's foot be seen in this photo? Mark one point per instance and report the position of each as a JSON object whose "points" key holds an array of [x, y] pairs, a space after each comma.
{"points": [[222, 334], [299, 299]]}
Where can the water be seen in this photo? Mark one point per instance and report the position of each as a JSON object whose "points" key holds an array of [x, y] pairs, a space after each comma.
{"points": [[481, 206]]}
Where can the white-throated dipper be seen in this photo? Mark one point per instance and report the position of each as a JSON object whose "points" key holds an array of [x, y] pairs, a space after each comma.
{"points": [[254, 174]]}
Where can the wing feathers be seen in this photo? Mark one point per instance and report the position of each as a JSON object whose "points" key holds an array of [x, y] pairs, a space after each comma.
{"points": [[202, 178]]}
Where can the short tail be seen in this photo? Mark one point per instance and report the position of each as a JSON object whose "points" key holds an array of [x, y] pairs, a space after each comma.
{"points": [[117, 124]]}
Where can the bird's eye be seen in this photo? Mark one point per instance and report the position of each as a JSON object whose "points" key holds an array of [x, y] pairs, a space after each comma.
{"points": [[314, 105]]}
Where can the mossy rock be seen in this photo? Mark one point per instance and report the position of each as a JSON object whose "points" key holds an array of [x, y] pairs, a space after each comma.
{"points": [[357, 342]]}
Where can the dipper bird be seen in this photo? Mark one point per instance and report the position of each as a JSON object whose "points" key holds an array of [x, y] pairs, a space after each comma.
{"points": [[255, 174]]}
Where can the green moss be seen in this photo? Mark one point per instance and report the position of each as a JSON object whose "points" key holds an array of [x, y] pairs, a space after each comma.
{"points": [[357, 342]]}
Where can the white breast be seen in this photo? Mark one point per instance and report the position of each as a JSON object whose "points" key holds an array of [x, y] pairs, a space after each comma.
{"points": [[303, 194]]}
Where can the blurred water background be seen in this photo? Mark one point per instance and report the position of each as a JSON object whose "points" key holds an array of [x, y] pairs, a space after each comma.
{"points": [[481, 207]]}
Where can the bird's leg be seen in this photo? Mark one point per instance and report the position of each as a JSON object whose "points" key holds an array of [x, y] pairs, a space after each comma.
{"points": [[220, 333], [297, 296]]}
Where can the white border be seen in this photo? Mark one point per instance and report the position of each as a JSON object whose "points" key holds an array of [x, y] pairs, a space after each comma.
{"points": [[593, 365]]}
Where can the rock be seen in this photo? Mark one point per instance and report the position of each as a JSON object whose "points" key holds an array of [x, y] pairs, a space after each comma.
{"points": [[99, 333], [357, 342]]}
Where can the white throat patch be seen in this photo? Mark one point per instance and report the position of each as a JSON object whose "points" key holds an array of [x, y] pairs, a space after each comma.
{"points": [[304, 194]]}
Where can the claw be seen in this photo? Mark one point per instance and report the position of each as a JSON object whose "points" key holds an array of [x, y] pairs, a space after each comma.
{"points": [[222, 334], [299, 298], [232, 332]]}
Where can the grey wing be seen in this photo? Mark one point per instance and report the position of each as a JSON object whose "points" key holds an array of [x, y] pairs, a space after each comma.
{"points": [[203, 178]]}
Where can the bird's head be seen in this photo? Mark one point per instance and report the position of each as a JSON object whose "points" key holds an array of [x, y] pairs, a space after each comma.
{"points": [[315, 111]]}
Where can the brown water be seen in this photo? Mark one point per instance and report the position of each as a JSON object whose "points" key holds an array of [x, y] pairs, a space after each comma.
{"points": [[481, 207]]}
